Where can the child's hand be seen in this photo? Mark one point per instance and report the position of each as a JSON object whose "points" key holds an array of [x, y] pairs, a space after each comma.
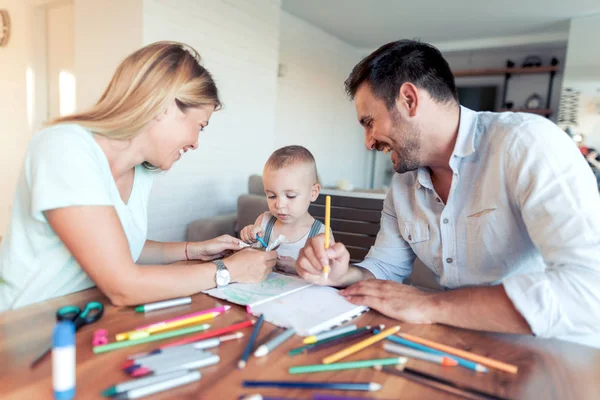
{"points": [[249, 233]]}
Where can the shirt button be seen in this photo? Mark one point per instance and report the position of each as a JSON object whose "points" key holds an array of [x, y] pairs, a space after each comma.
{"points": [[449, 260], [445, 220], [409, 237]]}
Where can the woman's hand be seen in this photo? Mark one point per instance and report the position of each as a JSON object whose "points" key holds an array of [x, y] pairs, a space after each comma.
{"points": [[214, 248], [250, 265], [249, 233]]}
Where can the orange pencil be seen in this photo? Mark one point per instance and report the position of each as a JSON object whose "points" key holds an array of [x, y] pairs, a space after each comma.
{"points": [[463, 354]]}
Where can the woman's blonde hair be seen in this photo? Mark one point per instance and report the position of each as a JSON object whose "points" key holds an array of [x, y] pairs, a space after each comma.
{"points": [[143, 86]]}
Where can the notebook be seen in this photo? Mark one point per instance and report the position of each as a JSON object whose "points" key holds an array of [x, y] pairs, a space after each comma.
{"points": [[290, 302]]}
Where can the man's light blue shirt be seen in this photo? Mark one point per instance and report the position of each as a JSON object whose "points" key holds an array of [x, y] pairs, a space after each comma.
{"points": [[523, 211]]}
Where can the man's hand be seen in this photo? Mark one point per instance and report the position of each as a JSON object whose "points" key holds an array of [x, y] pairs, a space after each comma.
{"points": [[395, 300], [313, 257]]}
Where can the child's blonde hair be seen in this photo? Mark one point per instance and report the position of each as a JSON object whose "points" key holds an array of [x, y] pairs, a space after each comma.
{"points": [[290, 156]]}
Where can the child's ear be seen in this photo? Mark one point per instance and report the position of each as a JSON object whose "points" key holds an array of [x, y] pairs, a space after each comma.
{"points": [[316, 189]]}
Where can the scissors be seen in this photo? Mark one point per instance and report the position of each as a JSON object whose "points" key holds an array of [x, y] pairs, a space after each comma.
{"points": [[91, 313]]}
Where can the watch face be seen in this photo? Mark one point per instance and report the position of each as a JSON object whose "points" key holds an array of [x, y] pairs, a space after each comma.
{"points": [[223, 277]]}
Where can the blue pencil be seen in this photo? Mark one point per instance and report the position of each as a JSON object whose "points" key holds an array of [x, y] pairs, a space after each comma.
{"points": [[366, 386], [251, 341], [461, 361]]}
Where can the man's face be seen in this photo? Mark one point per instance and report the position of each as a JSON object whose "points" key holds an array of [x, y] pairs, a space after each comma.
{"points": [[387, 131]]}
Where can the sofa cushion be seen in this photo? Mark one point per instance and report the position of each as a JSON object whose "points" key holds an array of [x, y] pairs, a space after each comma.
{"points": [[249, 207]]}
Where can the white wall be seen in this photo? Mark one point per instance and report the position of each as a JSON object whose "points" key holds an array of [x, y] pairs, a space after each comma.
{"points": [[583, 74], [312, 107], [60, 40], [22, 95], [239, 43], [105, 32]]}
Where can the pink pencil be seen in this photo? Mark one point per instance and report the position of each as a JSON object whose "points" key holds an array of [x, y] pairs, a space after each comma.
{"points": [[217, 309]]}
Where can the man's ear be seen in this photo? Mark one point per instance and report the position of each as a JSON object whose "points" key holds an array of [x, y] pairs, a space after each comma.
{"points": [[314, 193], [408, 98]]}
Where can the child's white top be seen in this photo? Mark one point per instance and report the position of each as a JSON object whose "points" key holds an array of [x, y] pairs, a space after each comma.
{"points": [[64, 166], [292, 249]]}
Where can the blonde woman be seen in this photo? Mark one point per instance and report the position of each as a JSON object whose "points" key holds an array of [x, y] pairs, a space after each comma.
{"points": [[79, 215]]}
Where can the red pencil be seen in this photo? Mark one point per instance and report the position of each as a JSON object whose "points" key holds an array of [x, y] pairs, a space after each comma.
{"points": [[209, 334]]}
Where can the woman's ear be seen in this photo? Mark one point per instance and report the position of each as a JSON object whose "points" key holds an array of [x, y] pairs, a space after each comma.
{"points": [[314, 193], [170, 109]]}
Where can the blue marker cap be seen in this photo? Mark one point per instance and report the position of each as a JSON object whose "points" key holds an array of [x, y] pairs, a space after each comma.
{"points": [[64, 334]]}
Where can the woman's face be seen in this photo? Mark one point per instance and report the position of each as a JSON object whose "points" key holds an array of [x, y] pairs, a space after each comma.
{"points": [[174, 133]]}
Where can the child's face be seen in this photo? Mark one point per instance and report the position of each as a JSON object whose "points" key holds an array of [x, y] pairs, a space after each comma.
{"points": [[290, 191]]}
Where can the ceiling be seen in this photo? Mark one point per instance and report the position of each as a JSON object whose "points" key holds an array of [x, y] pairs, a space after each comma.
{"points": [[371, 23]]}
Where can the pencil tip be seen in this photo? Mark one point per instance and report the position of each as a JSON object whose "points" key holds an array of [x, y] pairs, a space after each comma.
{"points": [[241, 364], [261, 351], [373, 387]]}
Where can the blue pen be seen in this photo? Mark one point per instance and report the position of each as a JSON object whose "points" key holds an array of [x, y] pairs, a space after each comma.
{"points": [[261, 241], [461, 361], [250, 344]]}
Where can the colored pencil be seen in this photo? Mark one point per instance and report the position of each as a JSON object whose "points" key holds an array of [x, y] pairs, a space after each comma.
{"points": [[325, 335], [220, 309], [268, 347], [207, 335], [202, 344], [461, 361], [194, 364], [499, 365], [440, 384], [159, 336], [168, 361], [164, 327], [327, 226], [365, 386], [420, 355], [136, 383], [251, 341], [303, 369], [332, 341], [159, 305], [360, 345], [161, 386]]}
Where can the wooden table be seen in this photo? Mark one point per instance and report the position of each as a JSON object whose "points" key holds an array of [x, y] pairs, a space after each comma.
{"points": [[548, 369]]}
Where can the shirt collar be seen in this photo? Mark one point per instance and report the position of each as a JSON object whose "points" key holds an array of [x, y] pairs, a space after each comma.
{"points": [[464, 146], [465, 140]]}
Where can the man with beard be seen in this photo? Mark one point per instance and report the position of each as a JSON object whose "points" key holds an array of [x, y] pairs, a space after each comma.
{"points": [[500, 206]]}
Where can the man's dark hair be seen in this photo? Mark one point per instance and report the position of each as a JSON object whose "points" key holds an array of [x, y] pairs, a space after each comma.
{"points": [[393, 64]]}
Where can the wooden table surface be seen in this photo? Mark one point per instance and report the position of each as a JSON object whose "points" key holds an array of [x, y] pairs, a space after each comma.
{"points": [[548, 369]]}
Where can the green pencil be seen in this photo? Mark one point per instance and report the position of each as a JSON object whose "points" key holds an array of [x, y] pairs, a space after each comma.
{"points": [[302, 369], [152, 338], [338, 338]]}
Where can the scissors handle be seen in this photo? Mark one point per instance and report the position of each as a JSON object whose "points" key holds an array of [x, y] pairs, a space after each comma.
{"points": [[91, 313]]}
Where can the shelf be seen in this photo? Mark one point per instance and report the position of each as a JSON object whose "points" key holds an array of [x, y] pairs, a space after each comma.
{"points": [[503, 71], [539, 111]]}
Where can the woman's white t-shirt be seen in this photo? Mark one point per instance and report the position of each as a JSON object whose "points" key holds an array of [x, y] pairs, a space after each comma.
{"points": [[64, 166]]}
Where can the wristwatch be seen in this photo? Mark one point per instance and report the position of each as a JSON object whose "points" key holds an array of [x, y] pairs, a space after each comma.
{"points": [[222, 277]]}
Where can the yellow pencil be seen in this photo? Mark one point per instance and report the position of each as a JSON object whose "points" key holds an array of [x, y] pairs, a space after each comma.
{"points": [[360, 345], [327, 225], [159, 328]]}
